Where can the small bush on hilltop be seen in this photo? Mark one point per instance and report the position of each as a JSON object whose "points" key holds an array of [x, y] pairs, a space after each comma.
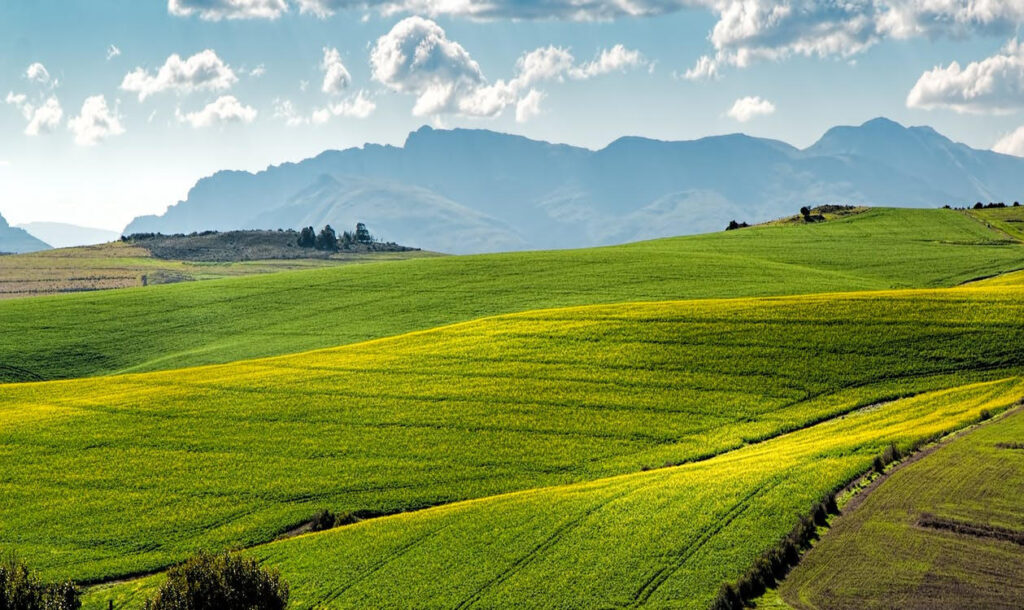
{"points": [[20, 589], [221, 581]]}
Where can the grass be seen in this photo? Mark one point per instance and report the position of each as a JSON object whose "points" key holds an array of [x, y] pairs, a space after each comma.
{"points": [[236, 454], [165, 327], [124, 265], [890, 552], [663, 538], [1009, 220]]}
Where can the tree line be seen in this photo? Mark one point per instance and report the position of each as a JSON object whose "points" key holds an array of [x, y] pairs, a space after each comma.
{"points": [[328, 239]]}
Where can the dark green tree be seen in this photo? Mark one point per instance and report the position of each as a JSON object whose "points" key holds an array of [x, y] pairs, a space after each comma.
{"points": [[327, 239], [20, 589], [307, 237]]}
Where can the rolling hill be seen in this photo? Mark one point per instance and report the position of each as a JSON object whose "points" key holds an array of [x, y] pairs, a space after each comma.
{"points": [[14, 240], [465, 191], [516, 402], [162, 327]]}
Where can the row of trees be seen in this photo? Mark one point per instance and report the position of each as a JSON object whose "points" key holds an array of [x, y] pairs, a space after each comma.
{"points": [[327, 239]]}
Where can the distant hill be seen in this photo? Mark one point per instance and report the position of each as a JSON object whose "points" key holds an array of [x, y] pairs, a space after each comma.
{"points": [[476, 190], [63, 235], [14, 240]]}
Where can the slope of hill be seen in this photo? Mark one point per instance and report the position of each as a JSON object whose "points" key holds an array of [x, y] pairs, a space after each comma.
{"points": [[124, 265], [473, 190], [63, 235], [517, 402], [135, 330], [14, 240], [956, 512]]}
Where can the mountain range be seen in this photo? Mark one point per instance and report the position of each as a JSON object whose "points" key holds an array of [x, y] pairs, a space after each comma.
{"points": [[63, 235], [464, 191], [15, 241]]}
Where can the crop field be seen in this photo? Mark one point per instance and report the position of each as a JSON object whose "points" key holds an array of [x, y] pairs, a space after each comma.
{"points": [[945, 529], [165, 327], [123, 265], [1009, 220], [237, 454], [666, 537]]}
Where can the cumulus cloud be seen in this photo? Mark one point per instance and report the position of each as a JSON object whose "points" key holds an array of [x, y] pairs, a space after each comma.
{"points": [[336, 76], [993, 85], [41, 119], [358, 106], [417, 58], [1012, 143], [747, 108], [529, 106], [215, 10], [202, 71], [112, 52], [223, 110], [96, 122], [258, 71], [38, 73]]}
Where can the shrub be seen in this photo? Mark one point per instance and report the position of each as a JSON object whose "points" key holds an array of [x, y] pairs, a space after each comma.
{"points": [[221, 581], [728, 598], [805, 211], [733, 225], [20, 589], [323, 520], [984, 415]]}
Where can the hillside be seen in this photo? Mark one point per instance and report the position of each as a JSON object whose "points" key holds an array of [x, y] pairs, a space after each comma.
{"points": [[134, 330], [14, 240], [465, 191], [63, 235], [957, 512], [125, 265], [516, 402]]}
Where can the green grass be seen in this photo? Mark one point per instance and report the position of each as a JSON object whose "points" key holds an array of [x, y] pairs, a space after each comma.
{"points": [[879, 556], [164, 327], [112, 475], [123, 265], [1009, 220], [664, 538]]}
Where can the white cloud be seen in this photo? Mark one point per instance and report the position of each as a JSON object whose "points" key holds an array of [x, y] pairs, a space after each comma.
{"points": [[112, 52], [42, 119], [215, 10], [202, 71], [96, 122], [225, 109], [529, 106], [615, 59], [37, 73], [336, 76], [705, 68], [1012, 143], [747, 108], [417, 58], [358, 106], [991, 86], [258, 71]]}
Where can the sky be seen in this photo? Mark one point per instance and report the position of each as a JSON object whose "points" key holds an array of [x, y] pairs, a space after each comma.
{"points": [[110, 109]]}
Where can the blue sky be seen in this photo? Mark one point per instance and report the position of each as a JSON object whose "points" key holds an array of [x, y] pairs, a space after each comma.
{"points": [[789, 69]]}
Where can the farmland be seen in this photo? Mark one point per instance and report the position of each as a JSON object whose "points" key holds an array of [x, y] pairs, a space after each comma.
{"points": [[166, 327], [236, 454], [942, 530], [666, 537], [125, 265]]}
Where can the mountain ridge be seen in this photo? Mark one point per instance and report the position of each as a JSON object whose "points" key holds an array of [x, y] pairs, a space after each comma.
{"points": [[14, 240], [476, 190]]}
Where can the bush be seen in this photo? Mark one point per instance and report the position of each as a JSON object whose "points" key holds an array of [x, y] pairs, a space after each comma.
{"points": [[220, 582], [20, 589], [727, 599], [984, 415], [323, 520], [805, 211], [733, 225]]}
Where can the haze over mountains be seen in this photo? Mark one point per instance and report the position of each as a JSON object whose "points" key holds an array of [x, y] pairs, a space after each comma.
{"points": [[14, 240], [63, 235], [464, 191]]}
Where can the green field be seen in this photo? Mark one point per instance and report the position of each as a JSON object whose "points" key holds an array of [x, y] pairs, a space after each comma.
{"points": [[164, 327], [236, 454], [664, 538], [619, 426], [124, 265], [1009, 220], [901, 547]]}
